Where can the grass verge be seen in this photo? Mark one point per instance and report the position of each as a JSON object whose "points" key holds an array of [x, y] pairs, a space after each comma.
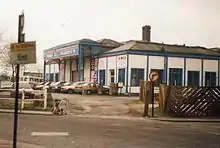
{"points": [[34, 105]]}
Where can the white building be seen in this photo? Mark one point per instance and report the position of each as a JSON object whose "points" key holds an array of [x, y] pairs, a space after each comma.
{"points": [[176, 65], [134, 60]]}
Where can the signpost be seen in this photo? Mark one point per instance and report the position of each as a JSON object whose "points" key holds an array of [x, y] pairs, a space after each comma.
{"points": [[153, 76], [21, 53]]}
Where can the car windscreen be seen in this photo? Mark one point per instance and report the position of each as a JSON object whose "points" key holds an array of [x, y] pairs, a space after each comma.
{"points": [[56, 83], [67, 84], [78, 83]]}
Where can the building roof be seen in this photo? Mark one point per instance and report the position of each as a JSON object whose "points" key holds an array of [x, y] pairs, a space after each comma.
{"points": [[160, 47], [109, 43], [82, 41]]}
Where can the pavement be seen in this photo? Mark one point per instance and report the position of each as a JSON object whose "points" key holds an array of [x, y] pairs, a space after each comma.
{"points": [[8, 144], [86, 132]]}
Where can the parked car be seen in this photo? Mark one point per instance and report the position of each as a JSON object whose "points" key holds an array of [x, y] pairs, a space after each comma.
{"points": [[41, 85], [70, 89], [90, 88], [29, 92], [56, 87]]}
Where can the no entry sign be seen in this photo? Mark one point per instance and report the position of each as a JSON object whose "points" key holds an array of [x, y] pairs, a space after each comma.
{"points": [[153, 76]]}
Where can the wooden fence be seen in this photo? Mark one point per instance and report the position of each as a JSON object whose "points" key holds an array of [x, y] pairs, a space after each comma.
{"points": [[42, 98], [185, 101]]}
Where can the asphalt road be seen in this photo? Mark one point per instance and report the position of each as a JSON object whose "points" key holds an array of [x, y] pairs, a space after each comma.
{"points": [[111, 133]]}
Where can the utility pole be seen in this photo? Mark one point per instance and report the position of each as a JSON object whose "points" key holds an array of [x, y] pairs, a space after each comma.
{"points": [[21, 38]]}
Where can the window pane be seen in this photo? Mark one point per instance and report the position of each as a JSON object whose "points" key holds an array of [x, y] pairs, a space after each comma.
{"points": [[121, 75], [136, 76], [133, 76], [213, 79], [210, 78], [140, 73], [102, 77], [112, 75], [193, 78], [175, 76]]}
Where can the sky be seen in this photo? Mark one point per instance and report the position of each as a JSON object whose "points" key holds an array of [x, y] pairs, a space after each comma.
{"points": [[54, 22]]}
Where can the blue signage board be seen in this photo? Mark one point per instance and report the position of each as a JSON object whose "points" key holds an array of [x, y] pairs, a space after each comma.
{"points": [[62, 52], [70, 50]]}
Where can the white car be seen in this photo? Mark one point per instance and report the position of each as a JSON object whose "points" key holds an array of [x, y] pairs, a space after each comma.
{"points": [[71, 88]]}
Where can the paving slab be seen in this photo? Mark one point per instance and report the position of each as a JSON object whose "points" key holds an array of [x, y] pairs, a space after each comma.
{"points": [[170, 119], [26, 112], [8, 144]]}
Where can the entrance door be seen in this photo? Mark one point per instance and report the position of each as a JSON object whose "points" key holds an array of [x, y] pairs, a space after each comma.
{"points": [[75, 76]]}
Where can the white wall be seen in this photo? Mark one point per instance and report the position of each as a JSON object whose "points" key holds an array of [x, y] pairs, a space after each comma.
{"points": [[210, 66], [193, 65], [111, 64], [155, 62], [102, 63], [136, 61], [67, 71], [174, 62], [122, 63]]}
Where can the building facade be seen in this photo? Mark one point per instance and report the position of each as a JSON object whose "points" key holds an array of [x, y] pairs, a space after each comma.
{"points": [[75, 61], [108, 61], [175, 64]]}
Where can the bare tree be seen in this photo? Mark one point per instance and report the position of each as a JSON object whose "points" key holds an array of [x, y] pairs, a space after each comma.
{"points": [[5, 59]]}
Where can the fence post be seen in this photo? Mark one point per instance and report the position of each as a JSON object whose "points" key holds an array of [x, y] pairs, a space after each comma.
{"points": [[142, 90], [147, 97], [22, 99], [163, 93], [45, 98]]}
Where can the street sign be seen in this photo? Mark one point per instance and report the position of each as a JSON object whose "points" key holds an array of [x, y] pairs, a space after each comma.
{"points": [[153, 76], [23, 53]]}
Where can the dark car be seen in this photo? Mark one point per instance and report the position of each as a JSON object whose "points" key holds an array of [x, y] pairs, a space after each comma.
{"points": [[56, 87]]}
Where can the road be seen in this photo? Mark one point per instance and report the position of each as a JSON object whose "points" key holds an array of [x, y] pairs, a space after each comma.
{"points": [[111, 133]]}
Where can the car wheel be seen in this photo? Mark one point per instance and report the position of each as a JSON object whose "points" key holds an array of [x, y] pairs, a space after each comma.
{"points": [[70, 91], [107, 92], [88, 92]]}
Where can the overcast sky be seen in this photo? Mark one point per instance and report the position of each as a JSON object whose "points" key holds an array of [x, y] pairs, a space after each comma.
{"points": [[53, 22]]}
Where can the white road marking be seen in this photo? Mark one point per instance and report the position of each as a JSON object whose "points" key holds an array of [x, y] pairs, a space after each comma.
{"points": [[49, 134]]}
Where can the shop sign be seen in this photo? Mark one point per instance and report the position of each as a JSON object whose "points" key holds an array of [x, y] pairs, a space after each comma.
{"points": [[71, 50]]}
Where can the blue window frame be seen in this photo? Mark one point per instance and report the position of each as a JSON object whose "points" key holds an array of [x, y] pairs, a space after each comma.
{"points": [[102, 77], [193, 78], [210, 78], [136, 75], [121, 75], [160, 79], [175, 76]]}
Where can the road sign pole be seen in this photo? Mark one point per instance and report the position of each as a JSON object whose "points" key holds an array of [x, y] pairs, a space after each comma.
{"points": [[152, 99], [20, 39], [153, 76]]}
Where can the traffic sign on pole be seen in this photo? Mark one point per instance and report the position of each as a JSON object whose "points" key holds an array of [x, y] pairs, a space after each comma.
{"points": [[23, 53]]}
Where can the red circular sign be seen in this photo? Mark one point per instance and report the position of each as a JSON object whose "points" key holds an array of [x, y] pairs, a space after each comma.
{"points": [[153, 76]]}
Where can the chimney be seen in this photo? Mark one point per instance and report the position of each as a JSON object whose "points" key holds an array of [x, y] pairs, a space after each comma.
{"points": [[146, 33]]}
